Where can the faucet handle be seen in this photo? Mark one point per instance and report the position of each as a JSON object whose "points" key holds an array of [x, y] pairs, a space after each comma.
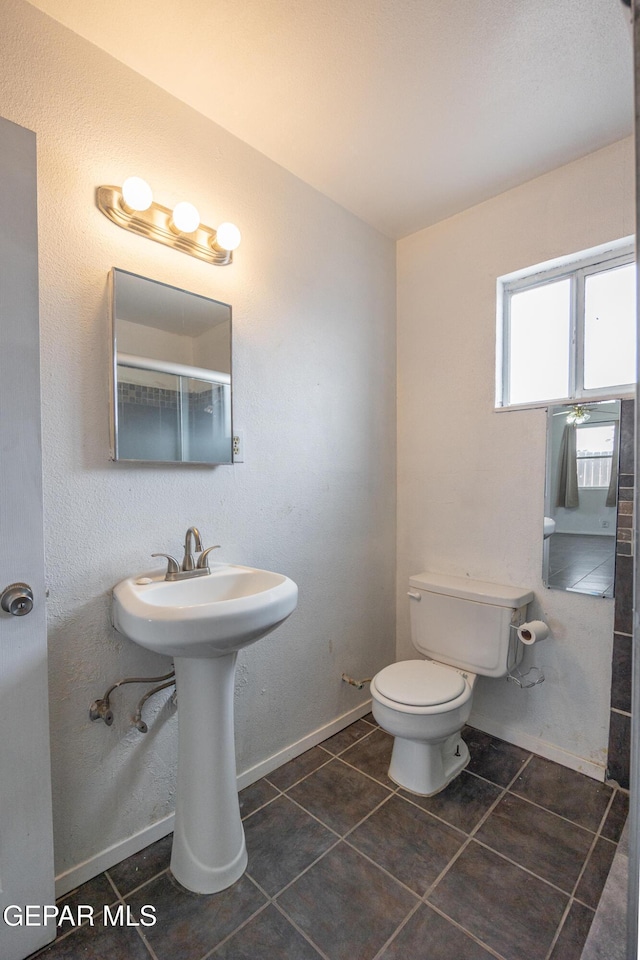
{"points": [[173, 566], [202, 559]]}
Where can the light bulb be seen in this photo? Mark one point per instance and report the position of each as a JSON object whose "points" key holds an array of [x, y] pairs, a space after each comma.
{"points": [[228, 236], [136, 194], [185, 218]]}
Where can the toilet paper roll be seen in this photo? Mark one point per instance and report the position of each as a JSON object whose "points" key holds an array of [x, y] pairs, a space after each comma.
{"points": [[533, 631]]}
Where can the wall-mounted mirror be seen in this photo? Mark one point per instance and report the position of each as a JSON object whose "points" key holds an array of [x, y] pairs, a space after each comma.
{"points": [[171, 385], [581, 507]]}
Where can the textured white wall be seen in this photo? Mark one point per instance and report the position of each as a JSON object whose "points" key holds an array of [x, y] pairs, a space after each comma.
{"points": [[313, 294], [471, 481]]}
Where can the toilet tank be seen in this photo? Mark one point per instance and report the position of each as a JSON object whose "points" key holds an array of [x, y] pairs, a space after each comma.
{"points": [[467, 623]]}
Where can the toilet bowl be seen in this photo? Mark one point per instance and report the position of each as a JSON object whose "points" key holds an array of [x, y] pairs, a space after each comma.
{"points": [[464, 628], [424, 705]]}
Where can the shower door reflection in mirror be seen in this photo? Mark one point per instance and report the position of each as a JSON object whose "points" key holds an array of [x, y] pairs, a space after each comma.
{"points": [[171, 374], [581, 497]]}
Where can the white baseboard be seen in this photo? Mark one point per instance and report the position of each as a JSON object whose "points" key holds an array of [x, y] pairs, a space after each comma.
{"points": [[547, 750], [75, 876], [301, 746], [97, 864]]}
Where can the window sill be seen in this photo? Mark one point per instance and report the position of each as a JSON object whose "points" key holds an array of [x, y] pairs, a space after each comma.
{"points": [[568, 401]]}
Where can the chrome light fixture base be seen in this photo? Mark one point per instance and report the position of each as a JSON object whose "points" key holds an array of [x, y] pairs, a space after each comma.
{"points": [[154, 223]]}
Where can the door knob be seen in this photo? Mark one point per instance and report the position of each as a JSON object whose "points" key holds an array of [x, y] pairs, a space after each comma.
{"points": [[17, 599]]}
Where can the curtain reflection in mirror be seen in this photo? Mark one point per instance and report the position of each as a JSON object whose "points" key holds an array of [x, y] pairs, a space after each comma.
{"points": [[568, 470]]}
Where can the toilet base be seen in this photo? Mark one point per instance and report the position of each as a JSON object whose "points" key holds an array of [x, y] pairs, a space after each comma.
{"points": [[426, 768]]}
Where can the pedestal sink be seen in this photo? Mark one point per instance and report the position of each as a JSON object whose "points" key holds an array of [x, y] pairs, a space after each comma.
{"points": [[202, 623]]}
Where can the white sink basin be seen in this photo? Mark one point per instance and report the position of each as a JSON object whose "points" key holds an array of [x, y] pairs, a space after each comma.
{"points": [[207, 616], [202, 622]]}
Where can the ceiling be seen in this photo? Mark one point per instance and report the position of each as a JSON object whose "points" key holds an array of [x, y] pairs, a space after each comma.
{"points": [[403, 111]]}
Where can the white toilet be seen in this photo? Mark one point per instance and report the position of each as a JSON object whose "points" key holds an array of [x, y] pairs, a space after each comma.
{"points": [[464, 628]]}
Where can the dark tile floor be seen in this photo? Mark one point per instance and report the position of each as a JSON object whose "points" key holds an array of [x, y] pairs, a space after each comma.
{"points": [[508, 862], [582, 562]]}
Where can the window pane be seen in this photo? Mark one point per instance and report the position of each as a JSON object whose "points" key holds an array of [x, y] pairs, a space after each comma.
{"points": [[610, 328], [539, 343], [594, 450], [594, 473]]}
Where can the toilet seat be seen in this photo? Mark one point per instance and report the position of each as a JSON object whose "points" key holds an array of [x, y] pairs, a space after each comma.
{"points": [[420, 683]]}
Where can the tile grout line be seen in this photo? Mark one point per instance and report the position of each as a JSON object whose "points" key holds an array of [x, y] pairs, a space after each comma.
{"points": [[120, 896], [337, 835], [492, 950], [572, 898], [472, 836], [394, 788], [150, 949], [272, 901], [373, 863], [472, 833], [140, 885], [298, 875], [248, 816], [365, 736], [386, 872], [64, 936], [303, 777], [541, 806], [560, 927], [397, 931], [623, 713], [74, 928], [503, 856], [241, 926], [331, 756], [468, 837], [596, 834], [302, 933], [340, 838]]}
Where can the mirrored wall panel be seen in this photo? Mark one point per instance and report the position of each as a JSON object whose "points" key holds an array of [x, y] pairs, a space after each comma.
{"points": [[171, 374], [581, 497]]}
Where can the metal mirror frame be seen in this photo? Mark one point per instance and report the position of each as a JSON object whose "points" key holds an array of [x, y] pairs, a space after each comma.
{"points": [[550, 497], [171, 368]]}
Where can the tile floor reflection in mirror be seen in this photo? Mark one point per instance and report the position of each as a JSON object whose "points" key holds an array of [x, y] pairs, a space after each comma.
{"points": [[582, 562]]}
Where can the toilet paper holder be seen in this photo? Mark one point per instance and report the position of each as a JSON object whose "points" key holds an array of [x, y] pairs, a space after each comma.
{"points": [[531, 678]]}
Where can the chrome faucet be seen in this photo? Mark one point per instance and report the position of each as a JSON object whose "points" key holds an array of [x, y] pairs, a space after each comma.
{"points": [[189, 568], [188, 562]]}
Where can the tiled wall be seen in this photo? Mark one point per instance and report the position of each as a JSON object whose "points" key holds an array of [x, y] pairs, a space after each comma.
{"points": [[146, 396], [620, 722]]}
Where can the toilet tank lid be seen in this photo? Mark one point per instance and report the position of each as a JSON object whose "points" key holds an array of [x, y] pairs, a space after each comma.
{"points": [[500, 595]]}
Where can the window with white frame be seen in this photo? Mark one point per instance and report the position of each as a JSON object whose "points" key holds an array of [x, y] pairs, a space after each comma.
{"points": [[567, 330], [594, 454]]}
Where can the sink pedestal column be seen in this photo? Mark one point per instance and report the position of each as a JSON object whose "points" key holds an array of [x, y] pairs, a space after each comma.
{"points": [[209, 852]]}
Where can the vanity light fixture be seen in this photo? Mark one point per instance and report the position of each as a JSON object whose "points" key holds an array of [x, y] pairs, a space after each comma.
{"points": [[185, 218], [133, 208]]}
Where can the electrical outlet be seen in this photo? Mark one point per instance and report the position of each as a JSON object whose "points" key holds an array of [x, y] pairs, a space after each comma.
{"points": [[238, 447]]}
